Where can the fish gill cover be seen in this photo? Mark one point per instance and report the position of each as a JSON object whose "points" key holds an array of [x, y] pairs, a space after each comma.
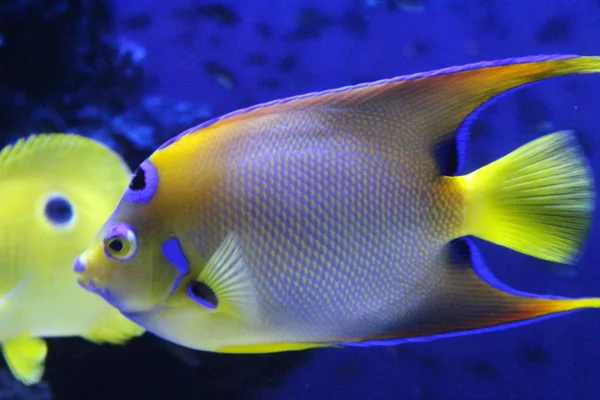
{"points": [[134, 73]]}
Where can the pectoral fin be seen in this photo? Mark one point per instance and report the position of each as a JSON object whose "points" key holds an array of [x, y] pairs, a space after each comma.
{"points": [[471, 300], [25, 357]]}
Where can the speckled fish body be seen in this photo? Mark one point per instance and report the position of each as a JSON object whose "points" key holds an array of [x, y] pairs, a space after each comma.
{"points": [[323, 219]]}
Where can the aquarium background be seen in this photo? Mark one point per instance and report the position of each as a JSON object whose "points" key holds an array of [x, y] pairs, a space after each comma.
{"points": [[135, 73]]}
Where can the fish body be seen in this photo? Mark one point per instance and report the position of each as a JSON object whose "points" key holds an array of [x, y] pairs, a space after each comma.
{"points": [[324, 220], [56, 191]]}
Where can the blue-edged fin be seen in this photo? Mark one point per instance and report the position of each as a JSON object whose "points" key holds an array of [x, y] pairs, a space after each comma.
{"points": [[469, 299], [537, 200], [25, 356]]}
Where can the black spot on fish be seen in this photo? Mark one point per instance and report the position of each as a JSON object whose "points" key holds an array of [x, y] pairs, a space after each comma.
{"points": [[218, 13], [203, 294], [287, 63], [263, 30], [482, 369], [555, 30], [58, 210], [355, 24], [138, 183], [311, 24], [256, 58], [220, 74], [137, 22]]}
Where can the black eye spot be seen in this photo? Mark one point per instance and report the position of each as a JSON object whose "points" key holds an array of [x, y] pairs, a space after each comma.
{"points": [[139, 180], [59, 211], [116, 245], [203, 294]]}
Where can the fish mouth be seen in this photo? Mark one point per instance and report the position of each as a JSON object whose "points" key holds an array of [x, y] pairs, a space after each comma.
{"points": [[88, 284], [84, 280], [94, 285], [91, 286]]}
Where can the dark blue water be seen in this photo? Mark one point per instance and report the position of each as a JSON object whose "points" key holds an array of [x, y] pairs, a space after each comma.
{"points": [[158, 68]]}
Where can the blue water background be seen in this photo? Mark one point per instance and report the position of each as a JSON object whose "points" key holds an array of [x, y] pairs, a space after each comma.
{"points": [[267, 52]]}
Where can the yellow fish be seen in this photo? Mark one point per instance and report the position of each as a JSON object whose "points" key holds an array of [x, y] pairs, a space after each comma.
{"points": [[57, 190], [323, 219]]}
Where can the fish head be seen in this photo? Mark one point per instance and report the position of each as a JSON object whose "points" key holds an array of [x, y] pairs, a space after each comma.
{"points": [[124, 263]]}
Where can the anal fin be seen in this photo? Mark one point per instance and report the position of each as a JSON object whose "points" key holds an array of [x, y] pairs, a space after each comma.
{"points": [[112, 327], [25, 356], [471, 300]]}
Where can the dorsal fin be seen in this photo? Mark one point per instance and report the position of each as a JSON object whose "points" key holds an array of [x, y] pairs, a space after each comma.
{"points": [[428, 105]]}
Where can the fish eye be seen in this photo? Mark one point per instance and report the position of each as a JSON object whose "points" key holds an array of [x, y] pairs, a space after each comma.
{"points": [[120, 243], [58, 210], [116, 245], [202, 294]]}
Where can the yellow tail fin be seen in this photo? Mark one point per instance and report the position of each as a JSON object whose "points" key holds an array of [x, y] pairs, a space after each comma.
{"points": [[537, 200]]}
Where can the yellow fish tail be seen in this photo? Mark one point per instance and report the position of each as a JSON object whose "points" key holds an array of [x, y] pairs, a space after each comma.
{"points": [[537, 200]]}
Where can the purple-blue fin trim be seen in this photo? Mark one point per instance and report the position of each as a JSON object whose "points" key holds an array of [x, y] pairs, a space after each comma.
{"points": [[462, 132], [443, 71], [171, 250], [484, 273], [421, 339], [150, 184], [202, 302]]}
